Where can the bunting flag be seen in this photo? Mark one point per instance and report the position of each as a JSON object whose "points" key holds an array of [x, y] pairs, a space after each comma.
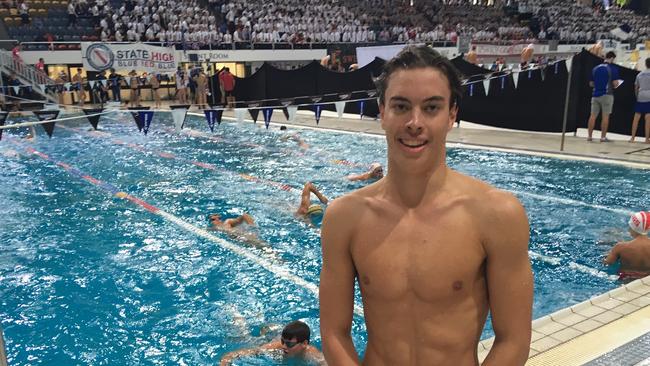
{"points": [[286, 103], [530, 74], [503, 82], [268, 112], [254, 112], [318, 109], [94, 120], [362, 104], [471, 89], [104, 82], [46, 115], [486, 85], [344, 96], [515, 78], [137, 117], [556, 66], [340, 107], [16, 89], [568, 64], [146, 117], [67, 86], [43, 87], [91, 83], [3, 118], [212, 116], [239, 114], [292, 110], [179, 112]]}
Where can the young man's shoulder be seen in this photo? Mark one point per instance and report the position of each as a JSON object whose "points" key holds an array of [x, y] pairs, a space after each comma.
{"points": [[483, 198]]}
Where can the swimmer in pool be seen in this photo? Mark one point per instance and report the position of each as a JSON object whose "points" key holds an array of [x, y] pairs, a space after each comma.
{"points": [[634, 255], [294, 343], [235, 228], [295, 137], [375, 172], [307, 210]]}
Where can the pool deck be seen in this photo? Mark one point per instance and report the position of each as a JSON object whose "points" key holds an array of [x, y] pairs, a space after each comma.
{"points": [[608, 329]]}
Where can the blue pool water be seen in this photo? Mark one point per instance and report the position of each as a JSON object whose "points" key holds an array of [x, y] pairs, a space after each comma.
{"points": [[89, 279]]}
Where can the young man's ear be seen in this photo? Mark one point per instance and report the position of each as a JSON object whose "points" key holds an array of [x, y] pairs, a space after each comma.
{"points": [[453, 115]]}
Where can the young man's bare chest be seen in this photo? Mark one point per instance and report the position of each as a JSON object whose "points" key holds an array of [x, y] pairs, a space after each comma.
{"points": [[433, 257]]}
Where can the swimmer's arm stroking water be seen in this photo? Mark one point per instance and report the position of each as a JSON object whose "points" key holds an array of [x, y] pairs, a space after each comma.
{"points": [[356, 177], [228, 358]]}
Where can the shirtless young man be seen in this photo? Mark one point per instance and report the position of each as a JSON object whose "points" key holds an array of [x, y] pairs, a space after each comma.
{"points": [[634, 255], [433, 250]]}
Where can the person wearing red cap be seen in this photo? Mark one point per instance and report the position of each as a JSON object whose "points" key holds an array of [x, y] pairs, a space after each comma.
{"points": [[634, 255]]}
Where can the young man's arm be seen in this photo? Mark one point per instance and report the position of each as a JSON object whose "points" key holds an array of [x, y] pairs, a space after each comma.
{"points": [[337, 288], [231, 356], [509, 280], [320, 196], [362, 176], [613, 254]]}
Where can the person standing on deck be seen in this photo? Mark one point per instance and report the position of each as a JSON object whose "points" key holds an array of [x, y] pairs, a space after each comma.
{"points": [[432, 250]]}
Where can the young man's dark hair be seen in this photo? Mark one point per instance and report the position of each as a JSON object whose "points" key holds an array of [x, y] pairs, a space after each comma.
{"points": [[647, 62], [610, 54], [413, 57], [296, 329]]}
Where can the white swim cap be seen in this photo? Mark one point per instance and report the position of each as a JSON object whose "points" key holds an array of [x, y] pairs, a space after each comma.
{"points": [[640, 222]]}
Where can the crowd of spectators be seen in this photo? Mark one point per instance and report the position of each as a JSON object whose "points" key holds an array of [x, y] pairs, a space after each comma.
{"points": [[224, 22], [568, 21]]}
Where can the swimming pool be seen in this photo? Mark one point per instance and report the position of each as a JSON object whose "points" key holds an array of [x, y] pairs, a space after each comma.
{"points": [[86, 278]]}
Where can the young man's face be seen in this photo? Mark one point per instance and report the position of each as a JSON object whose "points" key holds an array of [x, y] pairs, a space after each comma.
{"points": [[291, 347], [416, 115]]}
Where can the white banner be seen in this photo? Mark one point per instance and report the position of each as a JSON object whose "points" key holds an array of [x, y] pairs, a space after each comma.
{"points": [[292, 109], [515, 49], [179, 118], [340, 107], [127, 57], [239, 114]]}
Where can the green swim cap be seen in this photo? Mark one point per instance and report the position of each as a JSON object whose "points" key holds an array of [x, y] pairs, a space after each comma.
{"points": [[314, 210]]}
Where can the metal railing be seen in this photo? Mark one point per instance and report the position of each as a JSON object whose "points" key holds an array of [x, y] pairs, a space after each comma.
{"points": [[27, 73]]}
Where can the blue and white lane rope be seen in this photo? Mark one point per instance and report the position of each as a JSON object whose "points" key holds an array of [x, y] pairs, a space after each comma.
{"points": [[278, 271]]}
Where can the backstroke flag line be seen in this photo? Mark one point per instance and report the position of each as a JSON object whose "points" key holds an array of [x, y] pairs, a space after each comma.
{"points": [[46, 115]]}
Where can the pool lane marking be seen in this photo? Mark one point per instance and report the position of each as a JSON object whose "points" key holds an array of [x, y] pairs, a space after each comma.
{"points": [[279, 271], [569, 202], [168, 155], [571, 264]]}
